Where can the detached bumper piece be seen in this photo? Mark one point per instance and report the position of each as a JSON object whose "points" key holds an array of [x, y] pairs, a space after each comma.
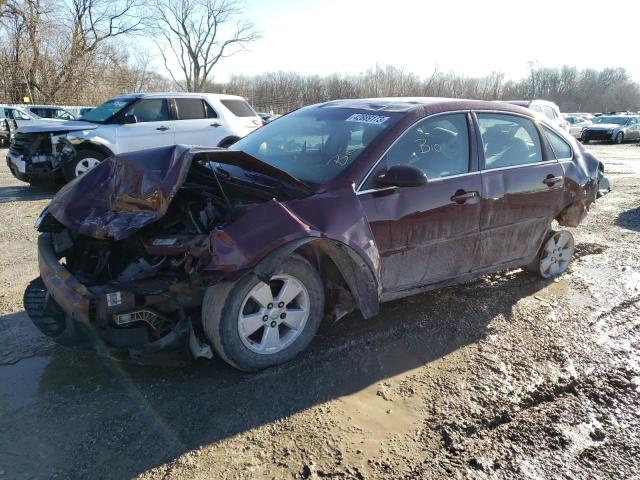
{"points": [[67, 311]]}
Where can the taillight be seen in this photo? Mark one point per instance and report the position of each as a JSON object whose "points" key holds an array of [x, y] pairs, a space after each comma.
{"points": [[257, 122]]}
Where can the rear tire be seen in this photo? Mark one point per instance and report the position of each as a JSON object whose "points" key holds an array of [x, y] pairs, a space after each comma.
{"points": [[253, 325], [554, 256], [85, 160]]}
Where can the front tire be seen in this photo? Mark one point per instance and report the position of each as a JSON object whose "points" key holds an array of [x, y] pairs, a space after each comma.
{"points": [[254, 325], [619, 138], [84, 161]]}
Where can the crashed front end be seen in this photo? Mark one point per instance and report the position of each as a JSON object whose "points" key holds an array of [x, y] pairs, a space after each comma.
{"points": [[132, 297], [39, 156], [126, 252]]}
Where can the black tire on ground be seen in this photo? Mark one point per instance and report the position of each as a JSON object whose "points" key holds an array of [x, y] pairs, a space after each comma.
{"points": [[619, 137], [221, 310], [83, 156]]}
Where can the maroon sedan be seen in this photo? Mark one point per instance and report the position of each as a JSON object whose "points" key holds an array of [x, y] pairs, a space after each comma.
{"points": [[331, 208]]}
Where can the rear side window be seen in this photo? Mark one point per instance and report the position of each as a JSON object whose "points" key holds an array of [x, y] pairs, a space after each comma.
{"points": [[190, 108], [150, 110], [561, 149], [508, 140], [193, 108], [239, 108]]}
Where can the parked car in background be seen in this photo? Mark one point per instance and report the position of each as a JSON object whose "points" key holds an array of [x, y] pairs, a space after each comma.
{"points": [[586, 116], [548, 110], [333, 207], [21, 116], [51, 112], [613, 128], [577, 125], [128, 123]]}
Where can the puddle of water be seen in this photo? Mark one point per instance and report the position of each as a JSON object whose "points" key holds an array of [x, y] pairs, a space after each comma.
{"points": [[20, 382]]}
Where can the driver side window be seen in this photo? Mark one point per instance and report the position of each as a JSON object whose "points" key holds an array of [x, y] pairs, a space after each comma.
{"points": [[439, 146], [150, 110]]}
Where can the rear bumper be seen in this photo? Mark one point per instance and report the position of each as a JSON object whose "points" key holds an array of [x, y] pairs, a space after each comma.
{"points": [[64, 309]]}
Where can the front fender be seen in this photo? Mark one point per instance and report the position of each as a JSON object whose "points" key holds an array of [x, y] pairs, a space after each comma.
{"points": [[355, 271]]}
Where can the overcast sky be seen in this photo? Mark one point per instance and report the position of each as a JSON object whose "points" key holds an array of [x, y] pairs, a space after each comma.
{"points": [[474, 37]]}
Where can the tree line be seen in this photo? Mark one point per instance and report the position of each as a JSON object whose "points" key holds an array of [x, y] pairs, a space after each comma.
{"points": [[574, 90], [75, 52]]}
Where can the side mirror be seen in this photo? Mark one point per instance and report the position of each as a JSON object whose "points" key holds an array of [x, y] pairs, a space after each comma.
{"points": [[128, 118], [402, 176]]}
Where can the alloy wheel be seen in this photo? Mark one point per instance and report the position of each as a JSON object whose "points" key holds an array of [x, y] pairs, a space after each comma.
{"points": [[273, 315], [85, 164], [556, 254]]}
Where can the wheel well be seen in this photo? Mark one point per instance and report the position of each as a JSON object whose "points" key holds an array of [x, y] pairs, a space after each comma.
{"points": [[342, 295], [346, 274], [228, 141], [94, 147]]}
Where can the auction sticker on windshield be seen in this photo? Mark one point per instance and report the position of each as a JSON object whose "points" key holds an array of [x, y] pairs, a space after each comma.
{"points": [[366, 118]]}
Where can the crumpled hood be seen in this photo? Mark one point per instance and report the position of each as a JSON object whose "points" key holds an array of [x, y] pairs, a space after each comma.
{"points": [[56, 126], [127, 192]]}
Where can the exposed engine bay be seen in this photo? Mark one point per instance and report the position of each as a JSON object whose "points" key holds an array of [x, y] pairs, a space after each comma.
{"points": [[145, 288], [43, 153]]}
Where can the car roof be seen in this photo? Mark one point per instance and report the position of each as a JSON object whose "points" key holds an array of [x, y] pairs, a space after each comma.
{"points": [[46, 106], [429, 104], [180, 94]]}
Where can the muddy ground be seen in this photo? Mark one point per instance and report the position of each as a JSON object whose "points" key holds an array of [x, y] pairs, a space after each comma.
{"points": [[506, 377]]}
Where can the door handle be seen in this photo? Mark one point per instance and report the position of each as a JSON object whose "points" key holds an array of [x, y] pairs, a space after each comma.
{"points": [[551, 181], [461, 197], [163, 128], [215, 124]]}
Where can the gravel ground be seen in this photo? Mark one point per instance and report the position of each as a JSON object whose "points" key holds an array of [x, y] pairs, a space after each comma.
{"points": [[506, 377]]}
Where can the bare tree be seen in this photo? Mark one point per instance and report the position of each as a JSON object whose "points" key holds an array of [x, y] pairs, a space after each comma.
{"points": [[197, 34]]}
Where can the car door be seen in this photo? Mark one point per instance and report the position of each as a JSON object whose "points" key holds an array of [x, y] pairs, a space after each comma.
{"points": [[152, 126], [426, 234], [522, 188], [198, 123]]}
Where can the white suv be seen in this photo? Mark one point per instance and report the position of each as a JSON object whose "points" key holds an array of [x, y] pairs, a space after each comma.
{"points": [[128, 123], [546, 109], [551, 112]]}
